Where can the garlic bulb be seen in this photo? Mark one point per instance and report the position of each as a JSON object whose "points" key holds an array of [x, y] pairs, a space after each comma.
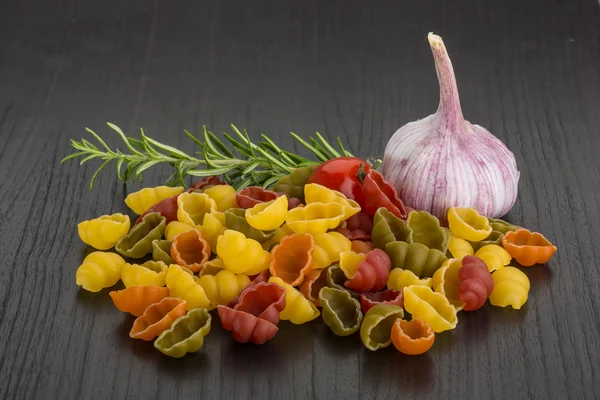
{"points": [[443, 161]]}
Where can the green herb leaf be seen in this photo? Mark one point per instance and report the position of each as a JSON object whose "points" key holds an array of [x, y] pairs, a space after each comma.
{"points": [[120, 132], [164, 147], [271, 181], [327, 146], [346, 153], [315, 151], [146, 165], [209, 172], [219, 143], [97, 172]]}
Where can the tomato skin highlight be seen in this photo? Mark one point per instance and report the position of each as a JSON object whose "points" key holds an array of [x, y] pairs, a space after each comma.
{"points": [[341, 174]]}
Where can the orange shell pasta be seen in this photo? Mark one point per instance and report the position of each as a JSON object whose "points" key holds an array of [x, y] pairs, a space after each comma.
{"points": [[157, 318], [191, 250], [527, 247], [312, 285], [412, 337], [358, 246], [291, 259], [135, 299]]}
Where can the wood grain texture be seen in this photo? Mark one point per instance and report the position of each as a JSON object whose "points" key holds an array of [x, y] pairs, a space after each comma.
{"points": [[527, 70]]}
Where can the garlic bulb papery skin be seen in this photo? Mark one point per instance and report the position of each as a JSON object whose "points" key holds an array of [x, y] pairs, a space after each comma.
{"points": [[443, 161]]}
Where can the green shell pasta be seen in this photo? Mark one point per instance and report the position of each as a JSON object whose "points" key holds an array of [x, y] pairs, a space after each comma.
{"points": [[494, 238], [389, 228], [426, 230], [376, 329], [502, 226], [416, 257], [186, 334], [335, 278], [138, 242], [161, 251], [293, 184], [235, 219], [340, 312]]}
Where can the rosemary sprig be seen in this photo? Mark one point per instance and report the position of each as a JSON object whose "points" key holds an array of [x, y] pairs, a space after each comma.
{"points": [[262, 163]]}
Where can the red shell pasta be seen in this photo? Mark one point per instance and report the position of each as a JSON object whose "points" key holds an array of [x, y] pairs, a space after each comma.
{"points": [[356, 234], [252, 195], [476, 283], [291, 259], [135, 299], [362, 221], [379, 193], [265, 301], [206, 181], [246, 327], [255, 318], [167, 208], [190, 249], [157, 318], [292, 201], [260, 278], [393, 297], [372, 273], [359, 246], [312, 285]]}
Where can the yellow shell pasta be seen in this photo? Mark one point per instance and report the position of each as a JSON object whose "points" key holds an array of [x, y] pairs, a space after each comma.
{"points": [[494, 256], [174, 228], [148, 273], [511, 288], [241, 255], [445, 281], [99, 270], [222, 287], [400, 278], [191, 207], [328, 247], [183, 286], [433, 308], [223, 195], [459, 247], [213, 226], [104, 232], [298, 309], [142, 200], [269, 215]]}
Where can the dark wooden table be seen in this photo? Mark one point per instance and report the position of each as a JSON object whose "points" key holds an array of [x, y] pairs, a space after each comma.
{"points": [[527, 70]]}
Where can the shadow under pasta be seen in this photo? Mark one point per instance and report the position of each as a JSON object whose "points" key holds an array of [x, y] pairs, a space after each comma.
{"points": [[243, 358], [338, 346], [140, 349], [97, 302], [191, 365], [539, 276], [507, 316], [294, 340], [412, 373]]}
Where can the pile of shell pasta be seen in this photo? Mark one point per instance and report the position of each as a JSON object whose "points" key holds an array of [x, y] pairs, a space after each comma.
{"points": [[299, 252]]}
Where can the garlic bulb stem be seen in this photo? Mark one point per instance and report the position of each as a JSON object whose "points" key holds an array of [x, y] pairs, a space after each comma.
{"points": [[449, 108]]}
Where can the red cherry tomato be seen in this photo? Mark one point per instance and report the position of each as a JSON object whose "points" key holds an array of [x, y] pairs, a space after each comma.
{"points": [[341, 174]]}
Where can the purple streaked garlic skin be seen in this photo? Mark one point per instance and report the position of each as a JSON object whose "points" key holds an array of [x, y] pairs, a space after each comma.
{"points": [[444, 161]]}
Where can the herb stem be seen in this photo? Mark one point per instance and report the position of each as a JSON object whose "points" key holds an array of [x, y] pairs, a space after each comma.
{"points": [[262, 163]]}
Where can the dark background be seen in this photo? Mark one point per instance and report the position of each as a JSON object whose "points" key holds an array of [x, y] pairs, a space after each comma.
{"points": [[527, 70]]}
